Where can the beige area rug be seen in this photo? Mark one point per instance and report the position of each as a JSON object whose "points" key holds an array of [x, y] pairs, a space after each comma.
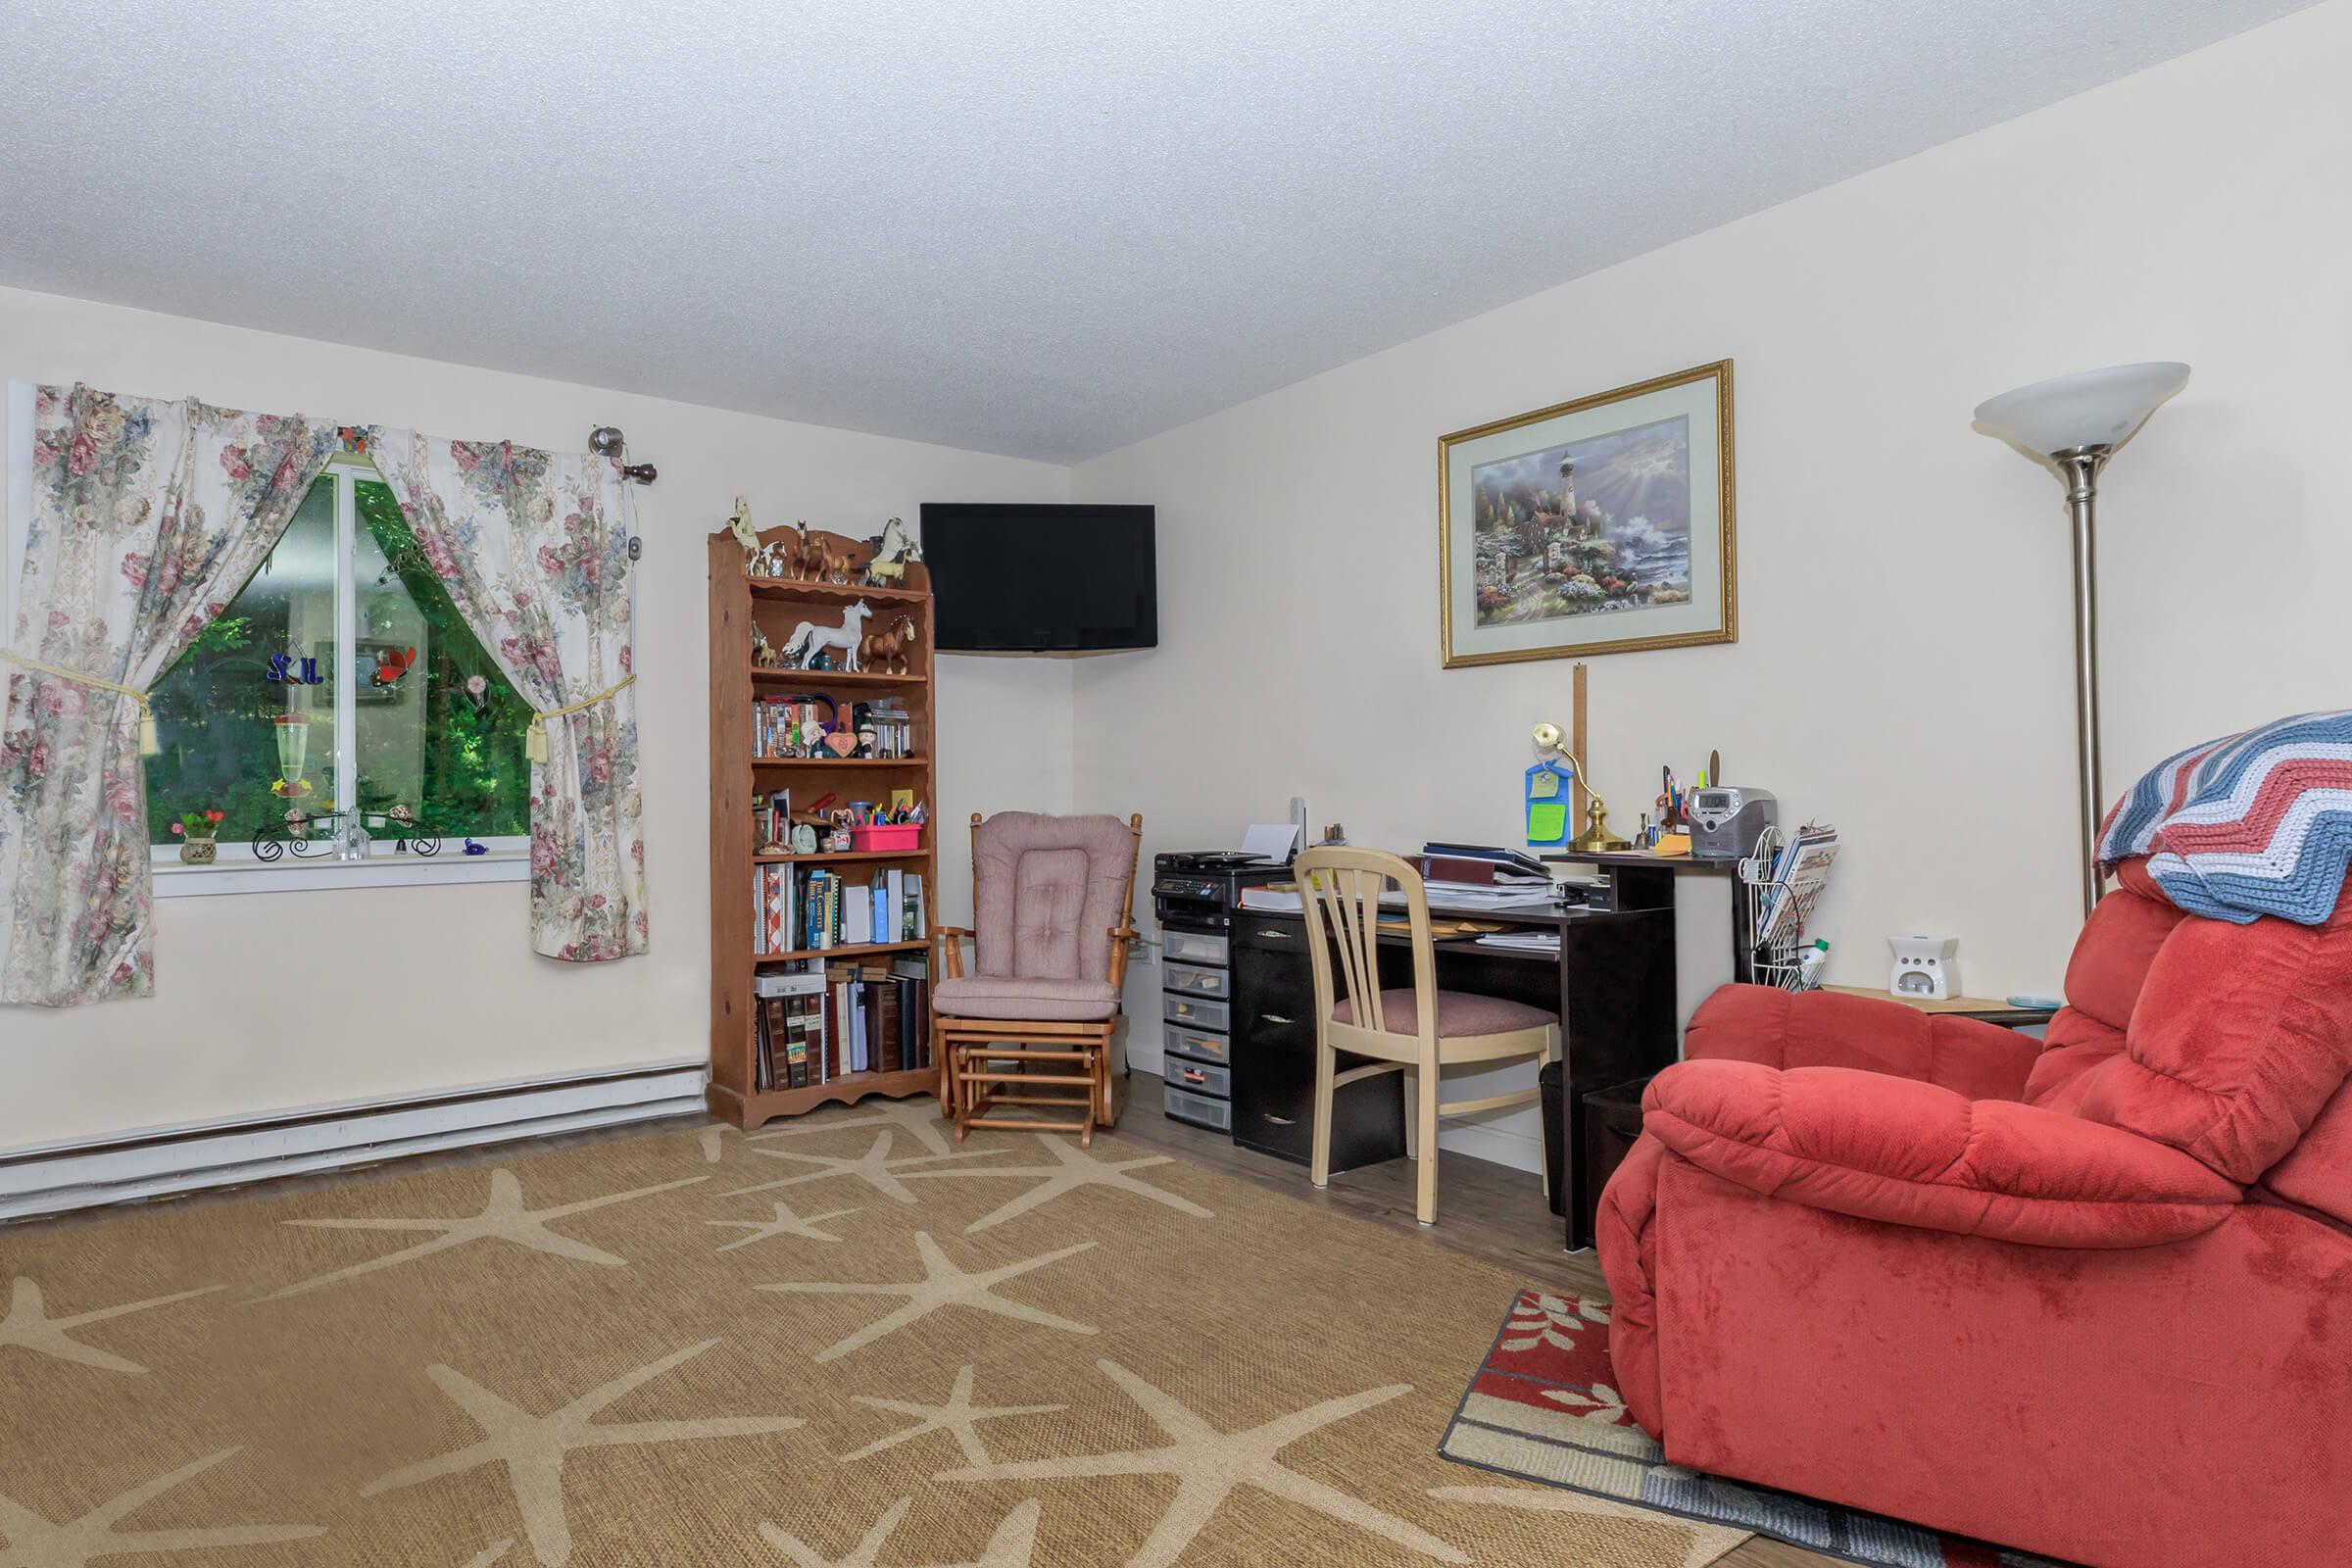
{"points": [[846, 1344]]}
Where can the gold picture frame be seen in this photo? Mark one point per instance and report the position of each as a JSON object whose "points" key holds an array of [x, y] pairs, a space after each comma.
{"points": [[1537, 571]]}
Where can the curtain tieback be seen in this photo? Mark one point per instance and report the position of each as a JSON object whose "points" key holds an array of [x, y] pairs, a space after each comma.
{"points": [[147, 738], [535, 741]]}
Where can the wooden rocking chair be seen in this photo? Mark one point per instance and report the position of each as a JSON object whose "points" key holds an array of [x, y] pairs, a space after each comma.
{"points": [[1032, 1027]]}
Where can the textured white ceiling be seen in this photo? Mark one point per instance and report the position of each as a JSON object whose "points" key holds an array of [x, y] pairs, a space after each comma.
{"points": [[1036, 226]]}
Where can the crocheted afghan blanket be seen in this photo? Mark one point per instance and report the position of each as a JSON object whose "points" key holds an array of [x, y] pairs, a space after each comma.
{"points": [[2251, 824]]}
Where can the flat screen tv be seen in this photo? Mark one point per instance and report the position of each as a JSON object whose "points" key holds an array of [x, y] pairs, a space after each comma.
{"points": [[1040, 578]]}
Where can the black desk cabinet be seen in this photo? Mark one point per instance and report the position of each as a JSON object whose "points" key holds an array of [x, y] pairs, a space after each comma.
{"points": [[1612, 986], [1274, 1034]]}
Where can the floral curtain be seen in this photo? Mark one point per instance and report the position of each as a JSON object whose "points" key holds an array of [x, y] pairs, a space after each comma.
{"points": [[147, 518], [533, 548]]}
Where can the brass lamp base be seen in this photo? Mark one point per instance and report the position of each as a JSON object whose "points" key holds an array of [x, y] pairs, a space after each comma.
{"points": [[1596, 839]]}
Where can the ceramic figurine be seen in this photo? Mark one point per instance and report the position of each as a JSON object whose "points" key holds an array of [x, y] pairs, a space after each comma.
{"points": [[809, 639], [885, 651], [739, 523], [892, 549]]}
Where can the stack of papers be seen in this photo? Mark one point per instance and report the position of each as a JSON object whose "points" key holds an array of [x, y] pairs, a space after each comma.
{"points": [[1503, 878], [1544, 941], [1513, 895], [1797, 873], [1278, 898]]}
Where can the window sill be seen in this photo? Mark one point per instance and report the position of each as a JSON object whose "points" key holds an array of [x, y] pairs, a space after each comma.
{"points": [[176, 881]]}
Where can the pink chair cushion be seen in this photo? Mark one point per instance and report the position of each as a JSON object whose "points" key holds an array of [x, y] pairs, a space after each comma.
{"points": [[1046, 893], [1461, 1014], [989, 995]]}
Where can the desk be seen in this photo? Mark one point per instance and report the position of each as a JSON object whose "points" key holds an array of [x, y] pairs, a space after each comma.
{"points": [[1612, 984], [1649, 877]]}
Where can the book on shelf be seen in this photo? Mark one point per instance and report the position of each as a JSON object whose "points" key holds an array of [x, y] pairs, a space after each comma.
{"points": [[782, 727], [848, 1018], [807, 908], [788, 1020]]}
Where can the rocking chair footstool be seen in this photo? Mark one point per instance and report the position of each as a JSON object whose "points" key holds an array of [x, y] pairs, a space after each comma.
{"points": [[1032, 1029]]}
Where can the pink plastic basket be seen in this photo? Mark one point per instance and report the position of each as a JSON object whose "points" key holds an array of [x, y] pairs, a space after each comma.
{"points": [[888, 836]]}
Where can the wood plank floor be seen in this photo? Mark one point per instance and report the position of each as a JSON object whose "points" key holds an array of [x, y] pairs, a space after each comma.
{"points": [[1486, 1211]]}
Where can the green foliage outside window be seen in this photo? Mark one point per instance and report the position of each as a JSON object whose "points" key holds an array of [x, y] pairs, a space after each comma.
{"points": [[444, 739]]}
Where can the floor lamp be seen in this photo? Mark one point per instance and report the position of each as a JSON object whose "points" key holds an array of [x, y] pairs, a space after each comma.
{"points": [[2074, 425]]}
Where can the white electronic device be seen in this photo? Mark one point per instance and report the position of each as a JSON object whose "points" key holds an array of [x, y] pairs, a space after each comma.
{"points": [[1926, 968]]}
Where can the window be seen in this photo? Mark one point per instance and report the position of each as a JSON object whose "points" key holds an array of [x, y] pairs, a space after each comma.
{"points": [[339, 710]]}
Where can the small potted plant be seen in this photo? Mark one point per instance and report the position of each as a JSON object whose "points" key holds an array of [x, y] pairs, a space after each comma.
{"points": [[199, 835]]}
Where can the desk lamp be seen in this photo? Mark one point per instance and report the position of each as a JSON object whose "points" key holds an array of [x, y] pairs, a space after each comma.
{"points": [[1596, 836], [2072, 425]]}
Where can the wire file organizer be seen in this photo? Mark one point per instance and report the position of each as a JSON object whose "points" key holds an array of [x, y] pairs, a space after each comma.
{"points": [[1781, 879]]}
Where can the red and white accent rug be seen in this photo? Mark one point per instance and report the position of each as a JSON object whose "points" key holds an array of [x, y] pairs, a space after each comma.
{"points": [[1543, 1407]]}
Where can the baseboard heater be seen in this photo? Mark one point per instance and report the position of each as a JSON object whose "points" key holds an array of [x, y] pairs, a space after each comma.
{"points": [[61, 1177]]}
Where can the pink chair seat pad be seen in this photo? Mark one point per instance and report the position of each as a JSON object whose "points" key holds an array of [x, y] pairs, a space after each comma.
{"points": [[1461, 1014], [1003, 996]]}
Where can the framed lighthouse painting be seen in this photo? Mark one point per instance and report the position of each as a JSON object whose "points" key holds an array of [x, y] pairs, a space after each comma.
{"points": [[1599, 526]]}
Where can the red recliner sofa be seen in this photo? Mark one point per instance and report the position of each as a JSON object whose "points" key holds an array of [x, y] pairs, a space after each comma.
{"points": [[2091, 1297]]}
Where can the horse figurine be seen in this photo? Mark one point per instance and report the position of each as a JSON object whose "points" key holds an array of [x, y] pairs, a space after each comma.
{"points": [[808, 556], [739, 523], [779, 558], [832, 568], [892, 551], [764, 655], [885, 651], [809, 639]]}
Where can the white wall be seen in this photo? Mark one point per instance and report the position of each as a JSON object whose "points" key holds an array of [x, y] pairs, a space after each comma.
{"points": [[285, 1000], [1903, 668]]}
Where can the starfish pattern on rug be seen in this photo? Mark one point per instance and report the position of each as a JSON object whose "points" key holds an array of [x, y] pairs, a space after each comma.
{"points": [[30, 1327], [959, 1417], [1708, 1542], [785, 1223], [1011, 1546], [1073, 1170], [33, 1541], [502, 1218], [490, 1553], [874, 1167], [919, 1117], [533, 1448], [1209, 1465], [943, 1284]]}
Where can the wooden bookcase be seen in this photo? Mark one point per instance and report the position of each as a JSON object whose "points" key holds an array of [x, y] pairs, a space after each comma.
{"points": [[741, 782]]}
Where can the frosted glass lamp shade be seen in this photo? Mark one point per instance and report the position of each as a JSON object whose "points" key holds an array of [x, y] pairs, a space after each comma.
{"points": [[2089, 409]]}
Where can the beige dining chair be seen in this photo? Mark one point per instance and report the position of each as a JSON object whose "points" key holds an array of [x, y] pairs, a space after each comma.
{"points": [[1419, 1030]]}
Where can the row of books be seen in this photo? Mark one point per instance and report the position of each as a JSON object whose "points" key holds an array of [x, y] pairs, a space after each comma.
{"points": [[807, 908], [815, 1025], [800, 727]]}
